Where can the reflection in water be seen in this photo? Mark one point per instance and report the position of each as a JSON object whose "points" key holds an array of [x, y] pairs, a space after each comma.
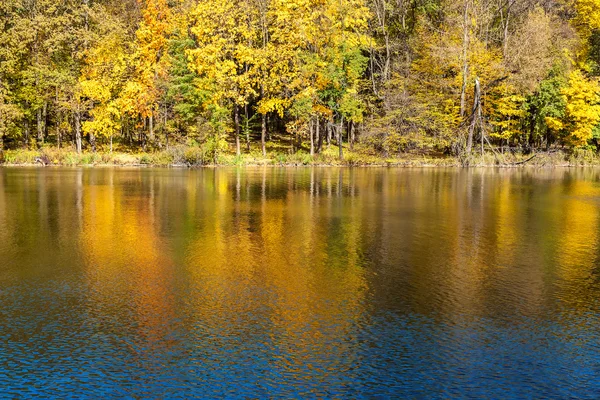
{"points": [[299, 282]]}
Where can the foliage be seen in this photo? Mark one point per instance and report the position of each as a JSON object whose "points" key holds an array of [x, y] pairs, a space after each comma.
{"points": [[300, 76]]}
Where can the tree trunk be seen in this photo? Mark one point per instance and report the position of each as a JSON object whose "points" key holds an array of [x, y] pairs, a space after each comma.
{"points": [[165, 127], [351, 139], [40, 127], [292, 150], [476, 117], [45, 121], [312, 139], [263, 135], [506, 25], [93, 142], [78, 131], [58, 119], [341, 138], [58, 132], [247, 128], [151, 127], [268, 130], [26, 133], [236, 120], [319, 138]]}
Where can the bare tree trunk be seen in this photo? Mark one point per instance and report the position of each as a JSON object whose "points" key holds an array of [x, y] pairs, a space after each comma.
{"points": [[479, 116], [268, 130], [506, 25], [236, 120], [319, 138], [45, 121], [263, 135], [247, 128], [263, 131], [93, 141], [40, 127], [312, 139], [151, 127], [351, 139], [58, 120], [78, 131], [26, 133], [292, 137], [165, 127], [476, 117], [58, 131], [341, 138]]}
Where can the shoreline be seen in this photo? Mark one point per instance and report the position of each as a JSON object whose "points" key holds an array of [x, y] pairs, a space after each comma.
{"points": [[55, 158], [289, 165]]}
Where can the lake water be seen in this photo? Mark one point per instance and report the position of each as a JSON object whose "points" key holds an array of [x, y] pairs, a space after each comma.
{"points": [[300, 283]]}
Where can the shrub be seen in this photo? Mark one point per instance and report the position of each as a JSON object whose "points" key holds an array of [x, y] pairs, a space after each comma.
{"points": [[145, 159], [194, 156]]}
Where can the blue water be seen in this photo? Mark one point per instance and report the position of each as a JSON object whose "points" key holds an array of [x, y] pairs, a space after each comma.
{"points": [[299, 283]]}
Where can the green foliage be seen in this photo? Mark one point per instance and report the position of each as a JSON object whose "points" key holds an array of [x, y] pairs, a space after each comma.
{"points": [[546, 104]]}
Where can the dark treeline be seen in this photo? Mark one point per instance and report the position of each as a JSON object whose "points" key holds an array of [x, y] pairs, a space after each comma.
{"points": [[388, 77]]}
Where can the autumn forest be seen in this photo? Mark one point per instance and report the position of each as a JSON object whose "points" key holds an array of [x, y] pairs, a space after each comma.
{"points": [[379, 77]]}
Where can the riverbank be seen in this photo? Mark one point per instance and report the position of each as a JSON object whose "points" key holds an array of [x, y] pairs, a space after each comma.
{"points": [[195, 157]]}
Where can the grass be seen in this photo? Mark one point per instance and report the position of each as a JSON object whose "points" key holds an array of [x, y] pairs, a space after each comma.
{"points": [[281, 156]]}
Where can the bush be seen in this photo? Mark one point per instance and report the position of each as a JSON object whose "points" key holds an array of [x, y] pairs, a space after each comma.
{"points": [[124, 159], [177, 154], [161, 158], [20, 156], [583, 156], [145, 159], [300, 158], [194, 156], [70, 158]]}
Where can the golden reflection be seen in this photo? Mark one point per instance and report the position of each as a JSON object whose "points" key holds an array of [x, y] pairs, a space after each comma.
{"points": [[124, 256], [577, 250], [290, 259], [293, 256]]}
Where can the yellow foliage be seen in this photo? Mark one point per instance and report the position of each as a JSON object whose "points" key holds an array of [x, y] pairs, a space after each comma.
{"points": [[588, 14], [582, 109], [506, 114]]}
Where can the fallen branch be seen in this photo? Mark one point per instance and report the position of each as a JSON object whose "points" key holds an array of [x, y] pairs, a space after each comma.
{"points": [[526, 161]]}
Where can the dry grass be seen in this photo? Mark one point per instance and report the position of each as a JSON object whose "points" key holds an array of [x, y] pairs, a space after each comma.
{"points": [[197, 156]]}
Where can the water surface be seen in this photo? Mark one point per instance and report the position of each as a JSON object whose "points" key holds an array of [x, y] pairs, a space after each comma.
{"points": [[300, 283]]}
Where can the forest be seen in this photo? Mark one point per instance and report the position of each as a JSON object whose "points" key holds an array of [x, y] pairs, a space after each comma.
{"points": [[381, 77]]}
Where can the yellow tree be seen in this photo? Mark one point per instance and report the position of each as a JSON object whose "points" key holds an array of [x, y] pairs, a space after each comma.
{"points": [[225, 59], [279, 23], [506, 112], [581, 98], [102, 80], [331, 63], [143, 93]]}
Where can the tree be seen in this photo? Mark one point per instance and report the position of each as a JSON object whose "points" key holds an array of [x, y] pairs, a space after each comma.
{"points": [[226, 36], [581, 110]]}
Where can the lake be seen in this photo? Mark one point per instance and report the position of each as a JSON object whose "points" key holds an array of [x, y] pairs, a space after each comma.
{"points": [[300, 283]]}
